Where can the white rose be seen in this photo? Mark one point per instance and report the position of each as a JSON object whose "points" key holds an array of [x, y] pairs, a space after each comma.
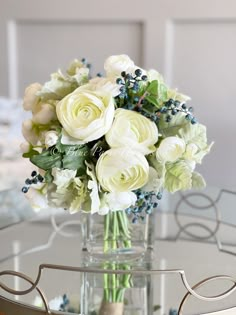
{"points": [[122, 170], [114, 65], [85, 115], [25, 147], [51, 138], [170, 149], [29, 133], [133, 130], [30, 99], [44, 114]]}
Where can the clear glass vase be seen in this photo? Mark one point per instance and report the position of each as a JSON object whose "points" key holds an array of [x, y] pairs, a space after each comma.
{"points": [[115, 294], [115, 237]]}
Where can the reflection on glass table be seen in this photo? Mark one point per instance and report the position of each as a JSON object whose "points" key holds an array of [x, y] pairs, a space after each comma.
{"points": [[194, 253]]}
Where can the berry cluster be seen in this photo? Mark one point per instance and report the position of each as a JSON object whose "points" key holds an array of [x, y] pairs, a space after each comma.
{"points": [[173, 107], [36, 178], [129, 90], [145, 204]]}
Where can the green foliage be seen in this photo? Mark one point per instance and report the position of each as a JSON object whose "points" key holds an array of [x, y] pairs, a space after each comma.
{"points": [[178, 176], [48, 176], [71, 157], [47, 159], [31, 153], [75, 157]]}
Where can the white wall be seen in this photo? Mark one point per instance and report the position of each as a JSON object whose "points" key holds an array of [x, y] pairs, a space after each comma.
{"points": [[193, 43]]}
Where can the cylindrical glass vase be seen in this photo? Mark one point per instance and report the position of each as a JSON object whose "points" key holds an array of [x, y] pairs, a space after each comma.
{"points": [[115, 237]]}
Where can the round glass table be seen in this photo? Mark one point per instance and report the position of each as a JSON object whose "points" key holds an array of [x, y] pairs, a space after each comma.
{"points": [[190, 268]]}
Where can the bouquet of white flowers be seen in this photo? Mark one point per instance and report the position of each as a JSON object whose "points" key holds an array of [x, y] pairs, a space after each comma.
{"points": [[110, 143]]}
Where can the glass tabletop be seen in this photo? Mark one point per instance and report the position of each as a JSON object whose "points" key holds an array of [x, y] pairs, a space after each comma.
{"points": [[194, 239]]}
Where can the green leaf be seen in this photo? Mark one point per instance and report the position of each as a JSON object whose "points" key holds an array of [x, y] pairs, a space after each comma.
{"points": [[48, 176], [74, 159], [194, 134], [152, 87], [178, 176], [198, 181], [172, 128], [47, 160], [152, 99], [148, 108], [31, 153], [162, 92]]}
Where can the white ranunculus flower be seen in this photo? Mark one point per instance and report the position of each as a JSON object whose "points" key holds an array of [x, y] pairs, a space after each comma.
{"points": [[132, 130], [44, 114], [120, 200], [106, 84], [122, 170], [170, 149], [31, 99], [114, 65], [25, 147], [29, 132], [85, 115], [51, 138]]}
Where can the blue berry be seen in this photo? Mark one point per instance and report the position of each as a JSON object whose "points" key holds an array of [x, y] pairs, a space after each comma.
{"points": [[83, 60], [119, 81], [40, 178], [184, 106], [144, 77], [174, 111], [35, 180], [128, 210], [123, 74], [128, 76], [135, 220], [177, 103], [163, 110], [188, 117], [159, 195], [99, 74], [122, 89], [34, 173], [193, 121], [28, 181], [148, 210], [135, 210], [168, 118], [24, 189], [138, 72]]}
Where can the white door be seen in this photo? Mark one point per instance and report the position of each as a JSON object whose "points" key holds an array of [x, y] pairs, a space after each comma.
{"points": [[193, 43]]}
